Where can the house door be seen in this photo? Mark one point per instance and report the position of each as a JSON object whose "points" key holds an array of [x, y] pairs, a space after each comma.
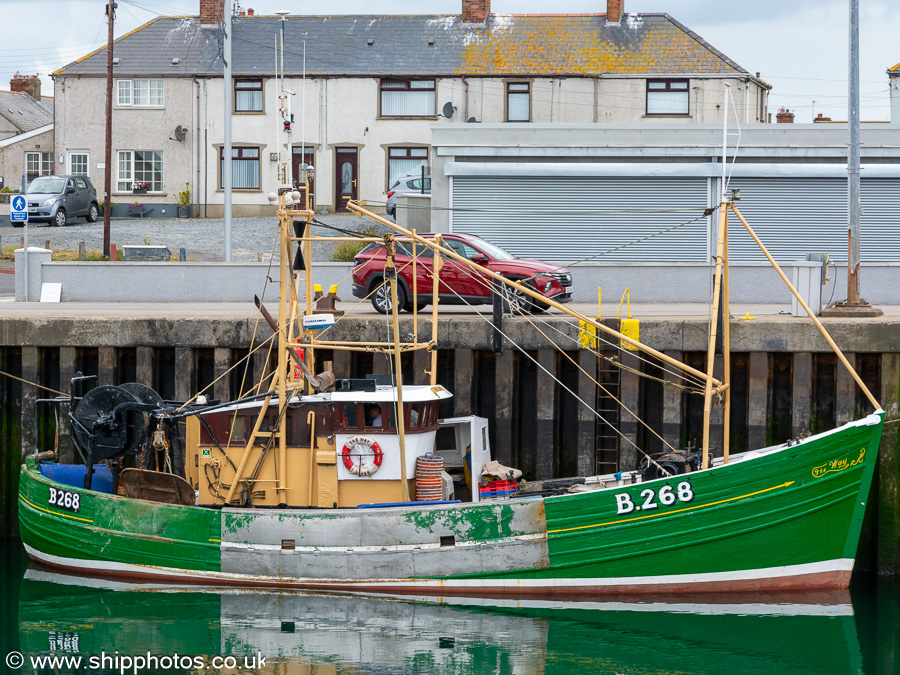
{"points": [[345, 178], [301, 158]]}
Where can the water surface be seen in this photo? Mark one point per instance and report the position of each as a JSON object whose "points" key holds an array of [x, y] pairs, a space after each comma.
{"points": [[47, 614]]}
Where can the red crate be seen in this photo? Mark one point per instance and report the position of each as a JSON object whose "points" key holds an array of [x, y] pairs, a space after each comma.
{"points": [[496, 488]]}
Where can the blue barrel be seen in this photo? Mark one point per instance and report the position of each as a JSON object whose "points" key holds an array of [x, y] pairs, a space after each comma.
{"points": [[73, 475]]}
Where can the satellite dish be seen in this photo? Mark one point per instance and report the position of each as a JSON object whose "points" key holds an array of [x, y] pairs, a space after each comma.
{"points": [[180, 133], [471, 119], [448, 109]]}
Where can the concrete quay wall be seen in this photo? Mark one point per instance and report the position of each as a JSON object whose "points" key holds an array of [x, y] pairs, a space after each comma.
{"points": [[785, 381]]}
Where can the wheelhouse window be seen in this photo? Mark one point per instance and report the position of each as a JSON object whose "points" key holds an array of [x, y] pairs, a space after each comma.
{"points": [[248, 96], [38, 164], [406, 161], [668, 97], [518, 102], [244, 168], [139, 166], [139, 93], [407, 98]]}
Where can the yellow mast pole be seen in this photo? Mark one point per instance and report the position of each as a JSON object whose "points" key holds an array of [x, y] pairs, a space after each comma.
{"points": [[726, 340], [390, 272], [438, 264], [285, 281], [815, 319], [711, 347], [357, 209]]}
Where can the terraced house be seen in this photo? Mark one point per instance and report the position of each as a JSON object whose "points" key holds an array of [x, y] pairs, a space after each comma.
{"points": [[373, 88], [26, 132]]}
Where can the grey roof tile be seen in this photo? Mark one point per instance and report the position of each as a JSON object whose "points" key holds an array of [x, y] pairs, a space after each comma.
{"points": [[23, 112], [359, 45]]}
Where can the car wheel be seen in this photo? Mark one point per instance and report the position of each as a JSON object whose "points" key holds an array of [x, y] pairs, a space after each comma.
{"points": [[515, 301], [409, 306], [92, 214], [381, 298], [60, 219], [18, 224]]}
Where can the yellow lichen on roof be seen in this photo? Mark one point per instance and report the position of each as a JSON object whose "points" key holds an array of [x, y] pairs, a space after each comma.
{"points": [[563, 45]]}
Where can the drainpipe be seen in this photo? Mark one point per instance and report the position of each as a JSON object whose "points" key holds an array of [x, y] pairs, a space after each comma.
{"points": [[196, 193]]}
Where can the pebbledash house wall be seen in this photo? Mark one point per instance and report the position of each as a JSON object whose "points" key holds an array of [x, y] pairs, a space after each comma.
{"points": [[339, 112], [81, 128]]}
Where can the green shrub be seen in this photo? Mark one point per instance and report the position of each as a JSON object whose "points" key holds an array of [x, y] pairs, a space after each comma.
{"points": [[346, 251]]}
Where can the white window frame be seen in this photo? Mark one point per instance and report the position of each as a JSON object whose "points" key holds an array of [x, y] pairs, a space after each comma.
{"points": [[87, 163], [127, 93], [42, 161], [126, 174]]}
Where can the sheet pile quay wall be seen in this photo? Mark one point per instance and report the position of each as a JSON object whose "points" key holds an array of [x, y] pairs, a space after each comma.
{"points": [[785, 382]]}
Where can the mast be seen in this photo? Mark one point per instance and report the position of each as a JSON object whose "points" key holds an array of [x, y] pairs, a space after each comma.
{"points": [[390, 273]]}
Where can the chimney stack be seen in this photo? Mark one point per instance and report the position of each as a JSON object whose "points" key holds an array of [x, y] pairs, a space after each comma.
{"points": [[784, 116], [211, 12], [250, 11], [26, 84], [821, 118], [614, 10], [475, 11]]}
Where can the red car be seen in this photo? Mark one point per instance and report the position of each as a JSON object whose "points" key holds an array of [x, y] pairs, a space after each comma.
{"points": [[459, 284]]}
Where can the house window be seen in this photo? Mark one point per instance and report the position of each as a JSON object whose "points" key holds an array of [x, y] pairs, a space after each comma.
{"points": [[139, 93], [78, 164], [244, 168], [38, 164], [518, 102], [407, 98], [406, 161], [248, 96], [667, 97], [140, 166]]}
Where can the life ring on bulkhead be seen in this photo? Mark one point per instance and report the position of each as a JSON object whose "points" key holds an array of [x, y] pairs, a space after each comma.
{"points": [[356, 446]]}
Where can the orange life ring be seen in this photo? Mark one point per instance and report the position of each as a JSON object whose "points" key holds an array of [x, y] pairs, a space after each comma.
{"points": [[356, 446]]}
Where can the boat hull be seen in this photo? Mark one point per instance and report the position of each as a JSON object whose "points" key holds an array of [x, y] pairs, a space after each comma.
{"points": [[785, 520]]}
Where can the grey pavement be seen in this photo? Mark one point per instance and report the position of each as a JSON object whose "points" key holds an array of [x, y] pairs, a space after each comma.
{"points": [[202, 238]]}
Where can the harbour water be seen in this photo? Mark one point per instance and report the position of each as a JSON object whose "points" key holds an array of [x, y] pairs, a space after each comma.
{"points": [[197, 630]]}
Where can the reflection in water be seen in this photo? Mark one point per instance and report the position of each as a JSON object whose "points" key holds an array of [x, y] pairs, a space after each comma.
{"points": [[325, 633]]}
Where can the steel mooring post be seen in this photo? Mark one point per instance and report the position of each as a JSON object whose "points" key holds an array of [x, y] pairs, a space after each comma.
{"points": [[498, 317]]}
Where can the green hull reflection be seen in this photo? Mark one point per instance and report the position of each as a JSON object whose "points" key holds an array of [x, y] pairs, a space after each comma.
{"points": [[306, 633]]}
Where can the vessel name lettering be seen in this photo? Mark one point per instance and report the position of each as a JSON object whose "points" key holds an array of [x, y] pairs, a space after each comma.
{"points": [[684, 492], [63, 499]]}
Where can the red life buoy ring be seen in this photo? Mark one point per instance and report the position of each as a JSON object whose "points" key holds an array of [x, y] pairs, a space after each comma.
{"points": [[356, 446]]}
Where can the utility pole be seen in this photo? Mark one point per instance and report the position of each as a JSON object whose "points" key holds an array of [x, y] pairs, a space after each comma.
{"points": [[107, 177], [854, 305]]}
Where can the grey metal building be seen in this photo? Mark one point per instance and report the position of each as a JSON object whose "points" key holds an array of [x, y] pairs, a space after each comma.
{"points": [[636, 194]]}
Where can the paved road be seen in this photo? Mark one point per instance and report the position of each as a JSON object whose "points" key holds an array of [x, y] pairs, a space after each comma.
{"points": [[203, 239]]}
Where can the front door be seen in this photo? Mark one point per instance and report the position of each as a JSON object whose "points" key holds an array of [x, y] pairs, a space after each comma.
{"points": [[345, 178], [300, 158]]}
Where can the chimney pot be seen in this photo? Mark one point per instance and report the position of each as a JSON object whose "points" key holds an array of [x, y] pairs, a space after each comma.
{"points": [[26, 84], [475, 11], [614, 9]]}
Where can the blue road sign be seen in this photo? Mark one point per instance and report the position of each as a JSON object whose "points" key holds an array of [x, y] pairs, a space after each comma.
{"points": [[18, 212]]}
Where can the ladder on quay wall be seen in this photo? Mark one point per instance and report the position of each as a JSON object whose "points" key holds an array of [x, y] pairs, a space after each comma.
{"points": [[607, 440]]}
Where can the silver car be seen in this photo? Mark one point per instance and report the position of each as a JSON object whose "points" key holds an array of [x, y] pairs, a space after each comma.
{"points": [[56, 199], [415, 183]]}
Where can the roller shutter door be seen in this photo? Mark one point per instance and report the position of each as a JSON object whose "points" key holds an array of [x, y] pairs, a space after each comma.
{"points": [[796, 216], [569, 218]]}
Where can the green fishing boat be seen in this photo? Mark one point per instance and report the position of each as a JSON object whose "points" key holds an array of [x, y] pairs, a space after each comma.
{"points": [[300, 486]]}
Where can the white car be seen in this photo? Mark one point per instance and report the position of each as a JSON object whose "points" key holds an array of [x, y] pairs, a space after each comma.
{"points": [[414, 183]]}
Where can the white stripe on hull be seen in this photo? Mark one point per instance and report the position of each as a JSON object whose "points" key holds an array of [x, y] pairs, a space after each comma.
{"points": [[786, 577]]}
